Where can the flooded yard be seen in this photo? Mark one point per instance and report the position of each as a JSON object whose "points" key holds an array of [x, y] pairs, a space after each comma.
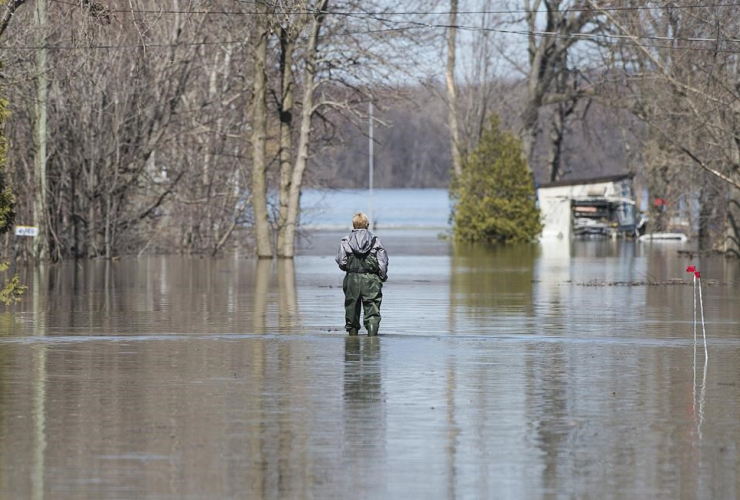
{"points": [[557, 371]]}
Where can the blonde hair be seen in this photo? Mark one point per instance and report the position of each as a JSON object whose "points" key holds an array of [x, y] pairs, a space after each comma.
{"points": [[360, 221]]}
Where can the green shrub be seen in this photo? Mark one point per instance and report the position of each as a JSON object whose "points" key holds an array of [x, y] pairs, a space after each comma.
{"points": [[12, 288], [7, 202], [495, 197]]}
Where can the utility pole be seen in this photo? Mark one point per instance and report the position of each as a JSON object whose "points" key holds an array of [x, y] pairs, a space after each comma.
{"points": [[370, 201], [39, 209]]}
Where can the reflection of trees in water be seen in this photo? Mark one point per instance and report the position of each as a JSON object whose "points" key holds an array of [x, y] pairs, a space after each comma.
{"points": [[287, 433], [23, 392], [490, 287], [547, 410], [364, 412], [7, 356], [287, 297], [491, 279], [453, 429], [170, 294], [287, 301], [279, 458], [261, 289]]}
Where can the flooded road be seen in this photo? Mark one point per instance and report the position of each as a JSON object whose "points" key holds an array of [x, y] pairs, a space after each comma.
{"points": [[517, 372]]}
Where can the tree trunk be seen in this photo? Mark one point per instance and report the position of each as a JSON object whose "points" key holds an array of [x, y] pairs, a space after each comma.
{"points": [[452, 91], [560, 117], [107, 234], [259, 136], [530, 130], [39, 208], [531, 113], [547, 56], [712, 215], [74, 216], [556, 145], [208, 149], [92, 230], [705, 233], [286, 138], [731, 244], [732, 224], [305, 134]]}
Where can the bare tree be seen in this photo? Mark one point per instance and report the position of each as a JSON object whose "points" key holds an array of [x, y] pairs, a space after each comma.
{"points": [[452, 91], [40, 117], [480, 86], [561, 113], [335, 59], [288, 36], [307, 111], [259, 133], [289, 31], [115, 117], [681, 71], [547, 51]]}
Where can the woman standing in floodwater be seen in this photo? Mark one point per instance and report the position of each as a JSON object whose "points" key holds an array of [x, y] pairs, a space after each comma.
{"points": [[363, 257]]}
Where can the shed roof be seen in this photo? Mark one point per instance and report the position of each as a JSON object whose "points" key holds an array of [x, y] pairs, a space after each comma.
{"points": [[593, 180]]}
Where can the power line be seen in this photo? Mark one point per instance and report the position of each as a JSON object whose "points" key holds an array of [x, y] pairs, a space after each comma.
{"points": [[405, 13], [564, 11], [227, 42], [558, 34], [603, 38], [420, 24], [124, 46], [182, 44]]}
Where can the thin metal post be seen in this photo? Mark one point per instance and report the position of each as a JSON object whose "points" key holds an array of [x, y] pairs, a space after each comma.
{"points": [[370, 201]]}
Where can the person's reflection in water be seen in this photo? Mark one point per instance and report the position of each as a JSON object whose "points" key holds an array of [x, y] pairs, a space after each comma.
{"points": [[364, 412]]}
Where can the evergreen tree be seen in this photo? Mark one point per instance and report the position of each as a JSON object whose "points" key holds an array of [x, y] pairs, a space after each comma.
{"points": [[12, 289], [495, 196], [7, 202]]}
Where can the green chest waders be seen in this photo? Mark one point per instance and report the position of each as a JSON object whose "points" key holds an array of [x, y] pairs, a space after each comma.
{"points": [[362, 289]]}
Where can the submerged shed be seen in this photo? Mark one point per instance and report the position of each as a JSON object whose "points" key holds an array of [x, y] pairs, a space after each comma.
{"points": [[598, 206]]}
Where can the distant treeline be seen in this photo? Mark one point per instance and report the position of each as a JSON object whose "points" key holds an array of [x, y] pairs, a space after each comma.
{"points": [[412, 148]]}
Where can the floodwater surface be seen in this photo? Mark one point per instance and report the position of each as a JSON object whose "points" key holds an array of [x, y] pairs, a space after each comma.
{"points": [[558, 371]]}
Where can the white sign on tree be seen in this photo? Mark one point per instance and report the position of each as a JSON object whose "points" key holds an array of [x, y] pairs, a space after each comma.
{"points": [[26, 231]]}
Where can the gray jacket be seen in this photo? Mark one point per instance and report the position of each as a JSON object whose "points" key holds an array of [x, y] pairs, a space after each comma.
{"points": [[359, 241]]}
